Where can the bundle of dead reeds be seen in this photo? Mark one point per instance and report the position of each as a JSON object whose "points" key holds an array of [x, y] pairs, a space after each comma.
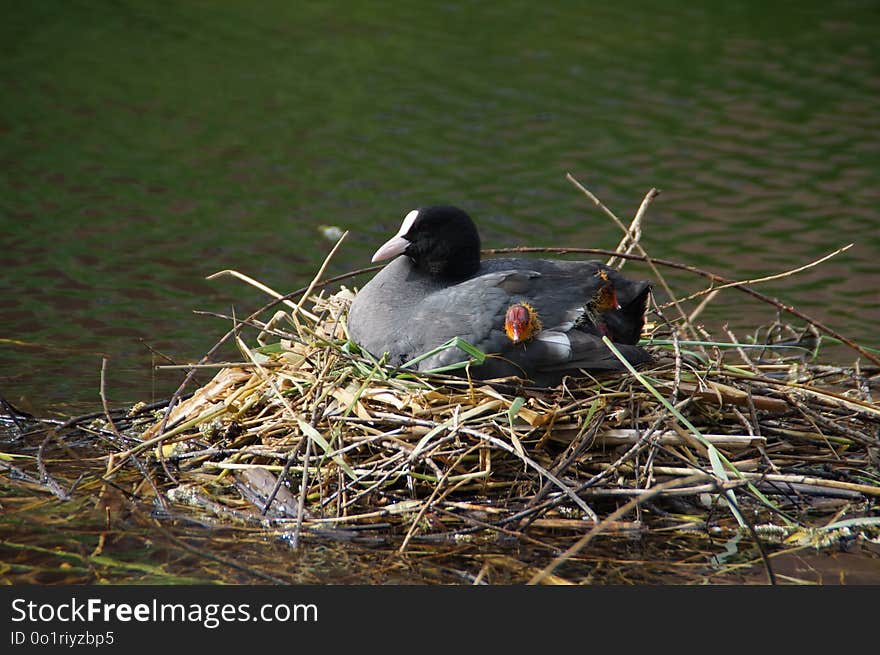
{"points": [[308, 434]]}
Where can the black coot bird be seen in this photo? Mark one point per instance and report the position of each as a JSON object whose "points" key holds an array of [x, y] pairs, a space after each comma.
{"points": [[439, 289]]}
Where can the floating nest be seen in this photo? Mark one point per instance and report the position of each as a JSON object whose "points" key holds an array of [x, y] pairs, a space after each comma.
{"points": [[309, 436]]}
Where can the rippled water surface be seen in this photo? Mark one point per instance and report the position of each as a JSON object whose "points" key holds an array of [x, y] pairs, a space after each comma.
{"points": [[144, 146]]}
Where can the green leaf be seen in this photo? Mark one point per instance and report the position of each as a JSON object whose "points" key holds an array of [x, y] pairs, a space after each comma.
{"points": [[11, 457], [269, 349], [515, 406], [319, 439], [476, 355]]}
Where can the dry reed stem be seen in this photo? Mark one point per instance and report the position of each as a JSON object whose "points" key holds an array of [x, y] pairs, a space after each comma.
{"points": [[262, 287], [633, 234], [619, 253]]}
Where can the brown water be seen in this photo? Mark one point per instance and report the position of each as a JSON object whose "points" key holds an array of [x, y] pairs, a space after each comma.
{"points": [[144, 147]]}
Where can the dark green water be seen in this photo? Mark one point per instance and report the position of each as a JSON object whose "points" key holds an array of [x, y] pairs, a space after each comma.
{"points": [[144, 146]]}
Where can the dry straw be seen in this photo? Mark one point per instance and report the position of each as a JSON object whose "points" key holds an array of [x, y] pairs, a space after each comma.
{"points": [[308, 436]]}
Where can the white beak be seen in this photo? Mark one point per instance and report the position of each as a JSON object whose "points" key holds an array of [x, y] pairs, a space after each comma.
{"points": [[391, 248], [398, 243]]}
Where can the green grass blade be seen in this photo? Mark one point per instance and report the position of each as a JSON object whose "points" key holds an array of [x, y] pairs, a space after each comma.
{"points": [[476, 355], [515, 406], [716, 459], [319, 439]]}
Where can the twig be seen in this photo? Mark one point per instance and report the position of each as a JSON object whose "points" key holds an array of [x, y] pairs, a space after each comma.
{"points": [[713, 290], [633, 235], [626, 436], [616, 515], [47, 480], [434, 493], [119, 436], [262, 287], [624, 255], [303, 489], [498, 443]]}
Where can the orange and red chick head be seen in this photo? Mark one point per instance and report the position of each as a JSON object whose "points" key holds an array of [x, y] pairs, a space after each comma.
{"points": [[521, 322], [605, 298]]}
